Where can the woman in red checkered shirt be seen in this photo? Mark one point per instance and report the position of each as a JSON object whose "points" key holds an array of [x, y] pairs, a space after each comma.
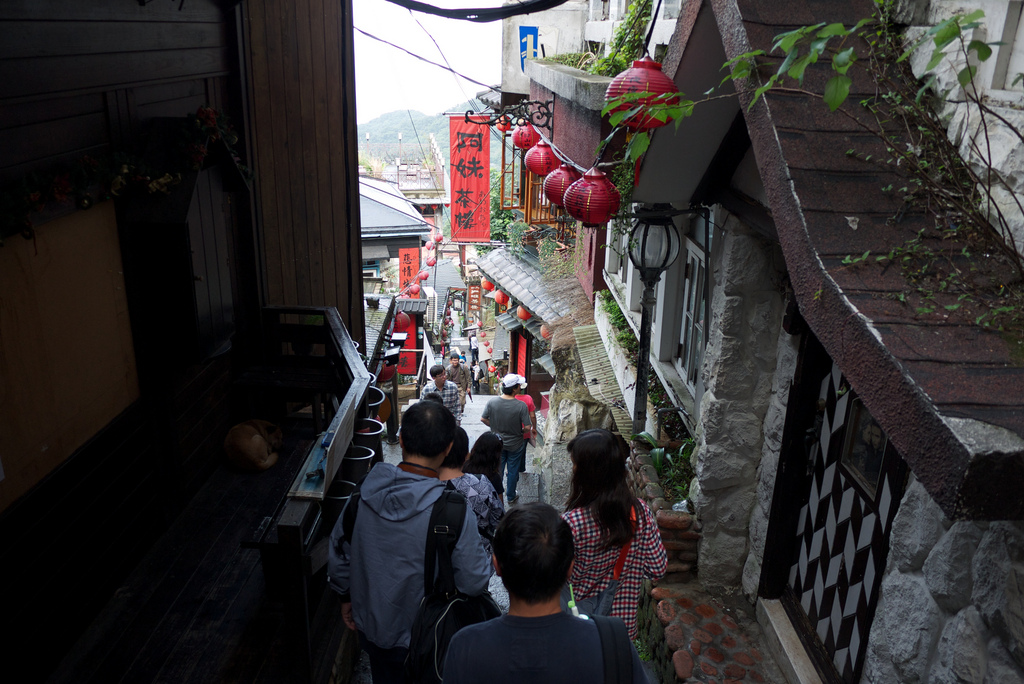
{"points": [[604, 515]]}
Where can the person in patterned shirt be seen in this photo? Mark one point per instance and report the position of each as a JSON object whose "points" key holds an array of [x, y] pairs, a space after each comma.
{"points": [[604, 515], [446, 389], [478, 490]]}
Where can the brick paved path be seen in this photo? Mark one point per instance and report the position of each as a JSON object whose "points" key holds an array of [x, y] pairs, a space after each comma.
{"points": [[708, 640]]}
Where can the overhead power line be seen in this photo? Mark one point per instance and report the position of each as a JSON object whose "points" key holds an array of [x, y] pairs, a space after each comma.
{"points": [[481, 14], [431, 62]]}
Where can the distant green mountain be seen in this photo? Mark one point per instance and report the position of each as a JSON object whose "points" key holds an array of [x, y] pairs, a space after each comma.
{"points": [[416, 128]]}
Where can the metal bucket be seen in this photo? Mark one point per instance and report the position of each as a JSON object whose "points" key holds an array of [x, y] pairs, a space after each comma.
{"points": [[356, 463], [335, 499], [367, 433], [374, 398]]}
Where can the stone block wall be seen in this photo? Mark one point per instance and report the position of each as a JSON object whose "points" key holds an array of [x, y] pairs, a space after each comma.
{"points": [[951, 606], [740, 382], [680, 534]]}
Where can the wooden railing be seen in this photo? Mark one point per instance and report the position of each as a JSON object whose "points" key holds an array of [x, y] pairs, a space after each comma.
{"points": [[308, 351]]}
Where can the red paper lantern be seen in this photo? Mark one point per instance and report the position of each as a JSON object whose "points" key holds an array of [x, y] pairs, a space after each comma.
{"points": [[486, 284], [525, 136], [423, 275], [545, 332], [541, 159], [503, 124], [645, 76], [402, 320], [430, 244], [439, 239], [592, 199], [501, 297], [491, 368], [414, 289], [522, 313], [431, 261], [386, 373], [483, 335], [558, 181]]}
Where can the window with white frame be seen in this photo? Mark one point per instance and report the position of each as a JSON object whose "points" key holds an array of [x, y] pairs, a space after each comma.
{"points": [[693, 328]]}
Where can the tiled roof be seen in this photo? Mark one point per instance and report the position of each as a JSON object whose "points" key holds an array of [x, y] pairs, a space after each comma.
{"points": [[600, 377], [949, 394], [523, 281], [382, 213]]}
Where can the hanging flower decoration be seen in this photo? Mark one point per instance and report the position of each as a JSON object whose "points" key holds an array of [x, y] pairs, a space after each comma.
{"points": [[89, 179], [558, 181], [592, 199], [649, 84], [525, 136], [540, 159]]}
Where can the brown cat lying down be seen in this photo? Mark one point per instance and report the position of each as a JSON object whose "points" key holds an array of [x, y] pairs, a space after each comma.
{"points": [[253, 445]]}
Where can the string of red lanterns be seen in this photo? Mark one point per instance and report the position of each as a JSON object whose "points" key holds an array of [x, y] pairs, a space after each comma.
{"points": [[592, 198]]}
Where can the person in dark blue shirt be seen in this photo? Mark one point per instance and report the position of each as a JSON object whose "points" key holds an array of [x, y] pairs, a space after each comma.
{"points": [[536, 642]]}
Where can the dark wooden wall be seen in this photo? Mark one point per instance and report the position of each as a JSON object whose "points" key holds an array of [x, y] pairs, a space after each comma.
{"points": [[88, 77], [298, 53]]}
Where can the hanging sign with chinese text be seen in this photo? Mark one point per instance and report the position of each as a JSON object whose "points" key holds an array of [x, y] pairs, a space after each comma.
{"points": [[473, 297], [408, 267], [470, 180]]}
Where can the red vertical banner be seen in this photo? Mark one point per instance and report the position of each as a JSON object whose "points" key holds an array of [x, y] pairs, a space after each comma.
{"points": [[523, 361], [408, 267], [470, 171], [473, 297]]}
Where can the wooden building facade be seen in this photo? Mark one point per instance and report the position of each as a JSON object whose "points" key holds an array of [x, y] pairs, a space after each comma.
{"points": [[134, 301]]}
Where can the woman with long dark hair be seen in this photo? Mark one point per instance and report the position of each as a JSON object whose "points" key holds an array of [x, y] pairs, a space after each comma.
{"points": [[605, 517], [478, 490], [485, 459]]}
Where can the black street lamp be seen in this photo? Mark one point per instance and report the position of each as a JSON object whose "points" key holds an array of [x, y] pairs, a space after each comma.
{"points": [[653, 246]]}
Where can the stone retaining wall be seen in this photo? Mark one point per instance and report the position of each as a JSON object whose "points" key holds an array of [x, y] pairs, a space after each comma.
{"points": [[951, 606], [680, 534]]}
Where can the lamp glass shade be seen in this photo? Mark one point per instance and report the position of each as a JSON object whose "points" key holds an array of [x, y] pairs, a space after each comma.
{"points": [[654, 245]]}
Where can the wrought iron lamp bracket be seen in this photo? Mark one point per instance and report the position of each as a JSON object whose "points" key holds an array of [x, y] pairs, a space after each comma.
{"points": [[537, 112]]}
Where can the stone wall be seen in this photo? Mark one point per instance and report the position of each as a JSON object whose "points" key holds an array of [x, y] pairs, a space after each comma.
{"points": [[983, 144], [951, 606], [740, 379], [680, 534]]}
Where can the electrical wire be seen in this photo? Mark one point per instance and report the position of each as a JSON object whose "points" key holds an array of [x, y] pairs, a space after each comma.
{"points": [[481, 14], [428, 61]]}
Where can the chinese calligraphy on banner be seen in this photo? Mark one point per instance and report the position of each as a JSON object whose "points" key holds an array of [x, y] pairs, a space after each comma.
{"points": [[473, 297], [407, 360], [408, 267], [471, 179]]}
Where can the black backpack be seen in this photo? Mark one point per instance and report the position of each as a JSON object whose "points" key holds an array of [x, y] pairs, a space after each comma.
{"points": [[444, 610]]}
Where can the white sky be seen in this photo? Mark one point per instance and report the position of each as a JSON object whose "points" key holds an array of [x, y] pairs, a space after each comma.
{"points": [[388, 79]]}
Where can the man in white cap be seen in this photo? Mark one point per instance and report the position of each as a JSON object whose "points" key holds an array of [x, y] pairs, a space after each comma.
{"points": [[510, 419]]}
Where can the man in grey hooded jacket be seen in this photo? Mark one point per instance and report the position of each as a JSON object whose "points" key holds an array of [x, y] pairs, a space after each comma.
{"points": [[379, 574]]}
